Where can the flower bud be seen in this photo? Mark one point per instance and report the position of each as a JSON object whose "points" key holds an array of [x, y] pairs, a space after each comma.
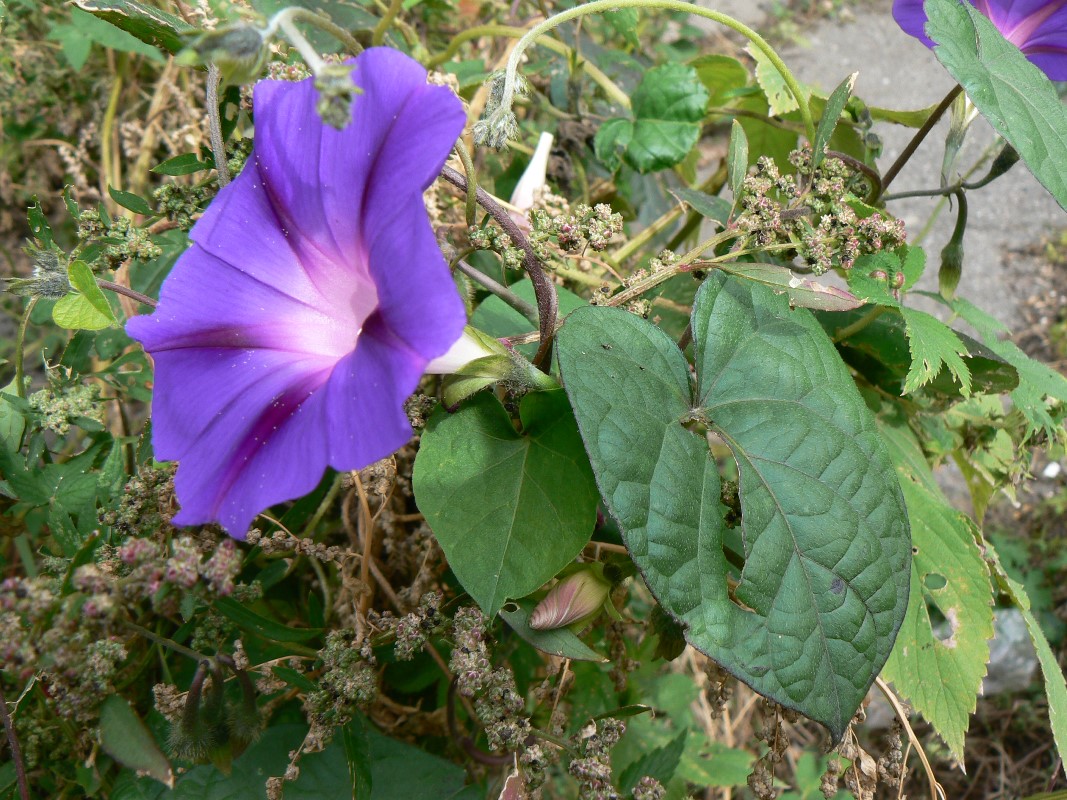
{"points": [[48, 281], [239, 51], [576, 599]]}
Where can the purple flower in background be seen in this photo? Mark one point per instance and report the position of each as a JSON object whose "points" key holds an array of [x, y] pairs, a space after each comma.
{"points": [[1037, 28], [312, 300]]}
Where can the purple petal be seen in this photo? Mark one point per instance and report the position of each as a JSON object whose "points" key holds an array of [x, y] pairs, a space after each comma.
{"points": [[911, 17], [289, 335]]}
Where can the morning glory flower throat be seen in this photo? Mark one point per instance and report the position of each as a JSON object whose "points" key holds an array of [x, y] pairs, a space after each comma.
{"points": [[1037, 28], [312, 300]]}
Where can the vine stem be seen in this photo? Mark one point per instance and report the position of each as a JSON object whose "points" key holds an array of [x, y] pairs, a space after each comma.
{"points": [[214, 125], [917, 139], [596, 6], [133, 294], [165, 642], [528, 310], [544, 289], [13, 744], [386, 22], [284, 19], [20, 351], [860, 324], [471, 210], [611, 89]]}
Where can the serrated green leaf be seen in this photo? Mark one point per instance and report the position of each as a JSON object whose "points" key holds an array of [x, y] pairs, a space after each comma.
{"points": [[668, 107], [1016, 97], [150, 25], [611, 140], [825, 533], [510, 510], [933, 343], [39, 227], [802, 292], [126, 739], [737, 158], [268, 628], [559, 642], [1037, 381], [659, 763], [185, 164], [831, 115], [85, 29], [624, 22], [133, 202], [940, 675], [779, 98], [1055, 686], [879, 352]]}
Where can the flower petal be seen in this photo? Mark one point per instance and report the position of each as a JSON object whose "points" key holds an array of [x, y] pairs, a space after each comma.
{"points": [[911, 17], [289, 335]]}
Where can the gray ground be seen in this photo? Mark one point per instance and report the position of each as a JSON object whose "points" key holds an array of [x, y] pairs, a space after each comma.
{"points": [[1007, 218]]}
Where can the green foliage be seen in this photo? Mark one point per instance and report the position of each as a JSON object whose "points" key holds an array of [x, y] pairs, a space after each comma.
{"points": [[1015, 97], [147, 23], [125, 738], [86, 308], [940, 671], [510, 510], [84, 30], [826, 537], [668, 107]]}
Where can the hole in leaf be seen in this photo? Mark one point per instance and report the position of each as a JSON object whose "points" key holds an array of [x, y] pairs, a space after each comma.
{"points": [[943, 625], [934, 581]]}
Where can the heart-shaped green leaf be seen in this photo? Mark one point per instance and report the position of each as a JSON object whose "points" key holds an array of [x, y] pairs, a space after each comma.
{"points": [[510, 510], [824, 529]]}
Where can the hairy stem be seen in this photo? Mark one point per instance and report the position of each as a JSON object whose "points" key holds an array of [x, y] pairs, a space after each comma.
{"points": [[503, 292], [20, 350], [386, 22], [597, 6], [13, 744], [611, 89], [544, 289], [133, 294], [214, 123], [284, 19]]}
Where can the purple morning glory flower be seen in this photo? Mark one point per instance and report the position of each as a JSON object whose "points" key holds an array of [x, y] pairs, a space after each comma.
{"points": [[312, 300], [1037, 28]]}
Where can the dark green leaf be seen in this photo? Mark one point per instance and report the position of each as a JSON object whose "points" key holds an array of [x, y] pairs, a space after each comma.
{"points": [[125, 738], [708, 206], [611, 140], [267, 628], [39, 227], [85, 29], [1017, 99], [559, 642], [148, 24], [136, 204], [295, 678], [825, 532], [12, 422], [498, 319], [802, 292], [510, 510], [659, 764], [624, 22], [832, 113], [356, 738], [185, 164], [737, 158], [668, 107]]}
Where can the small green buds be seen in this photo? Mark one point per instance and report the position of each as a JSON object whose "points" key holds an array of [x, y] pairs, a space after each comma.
{"points": [[948, 276], [575, 600], [336, 93], [49, 278], [239, 51]]}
